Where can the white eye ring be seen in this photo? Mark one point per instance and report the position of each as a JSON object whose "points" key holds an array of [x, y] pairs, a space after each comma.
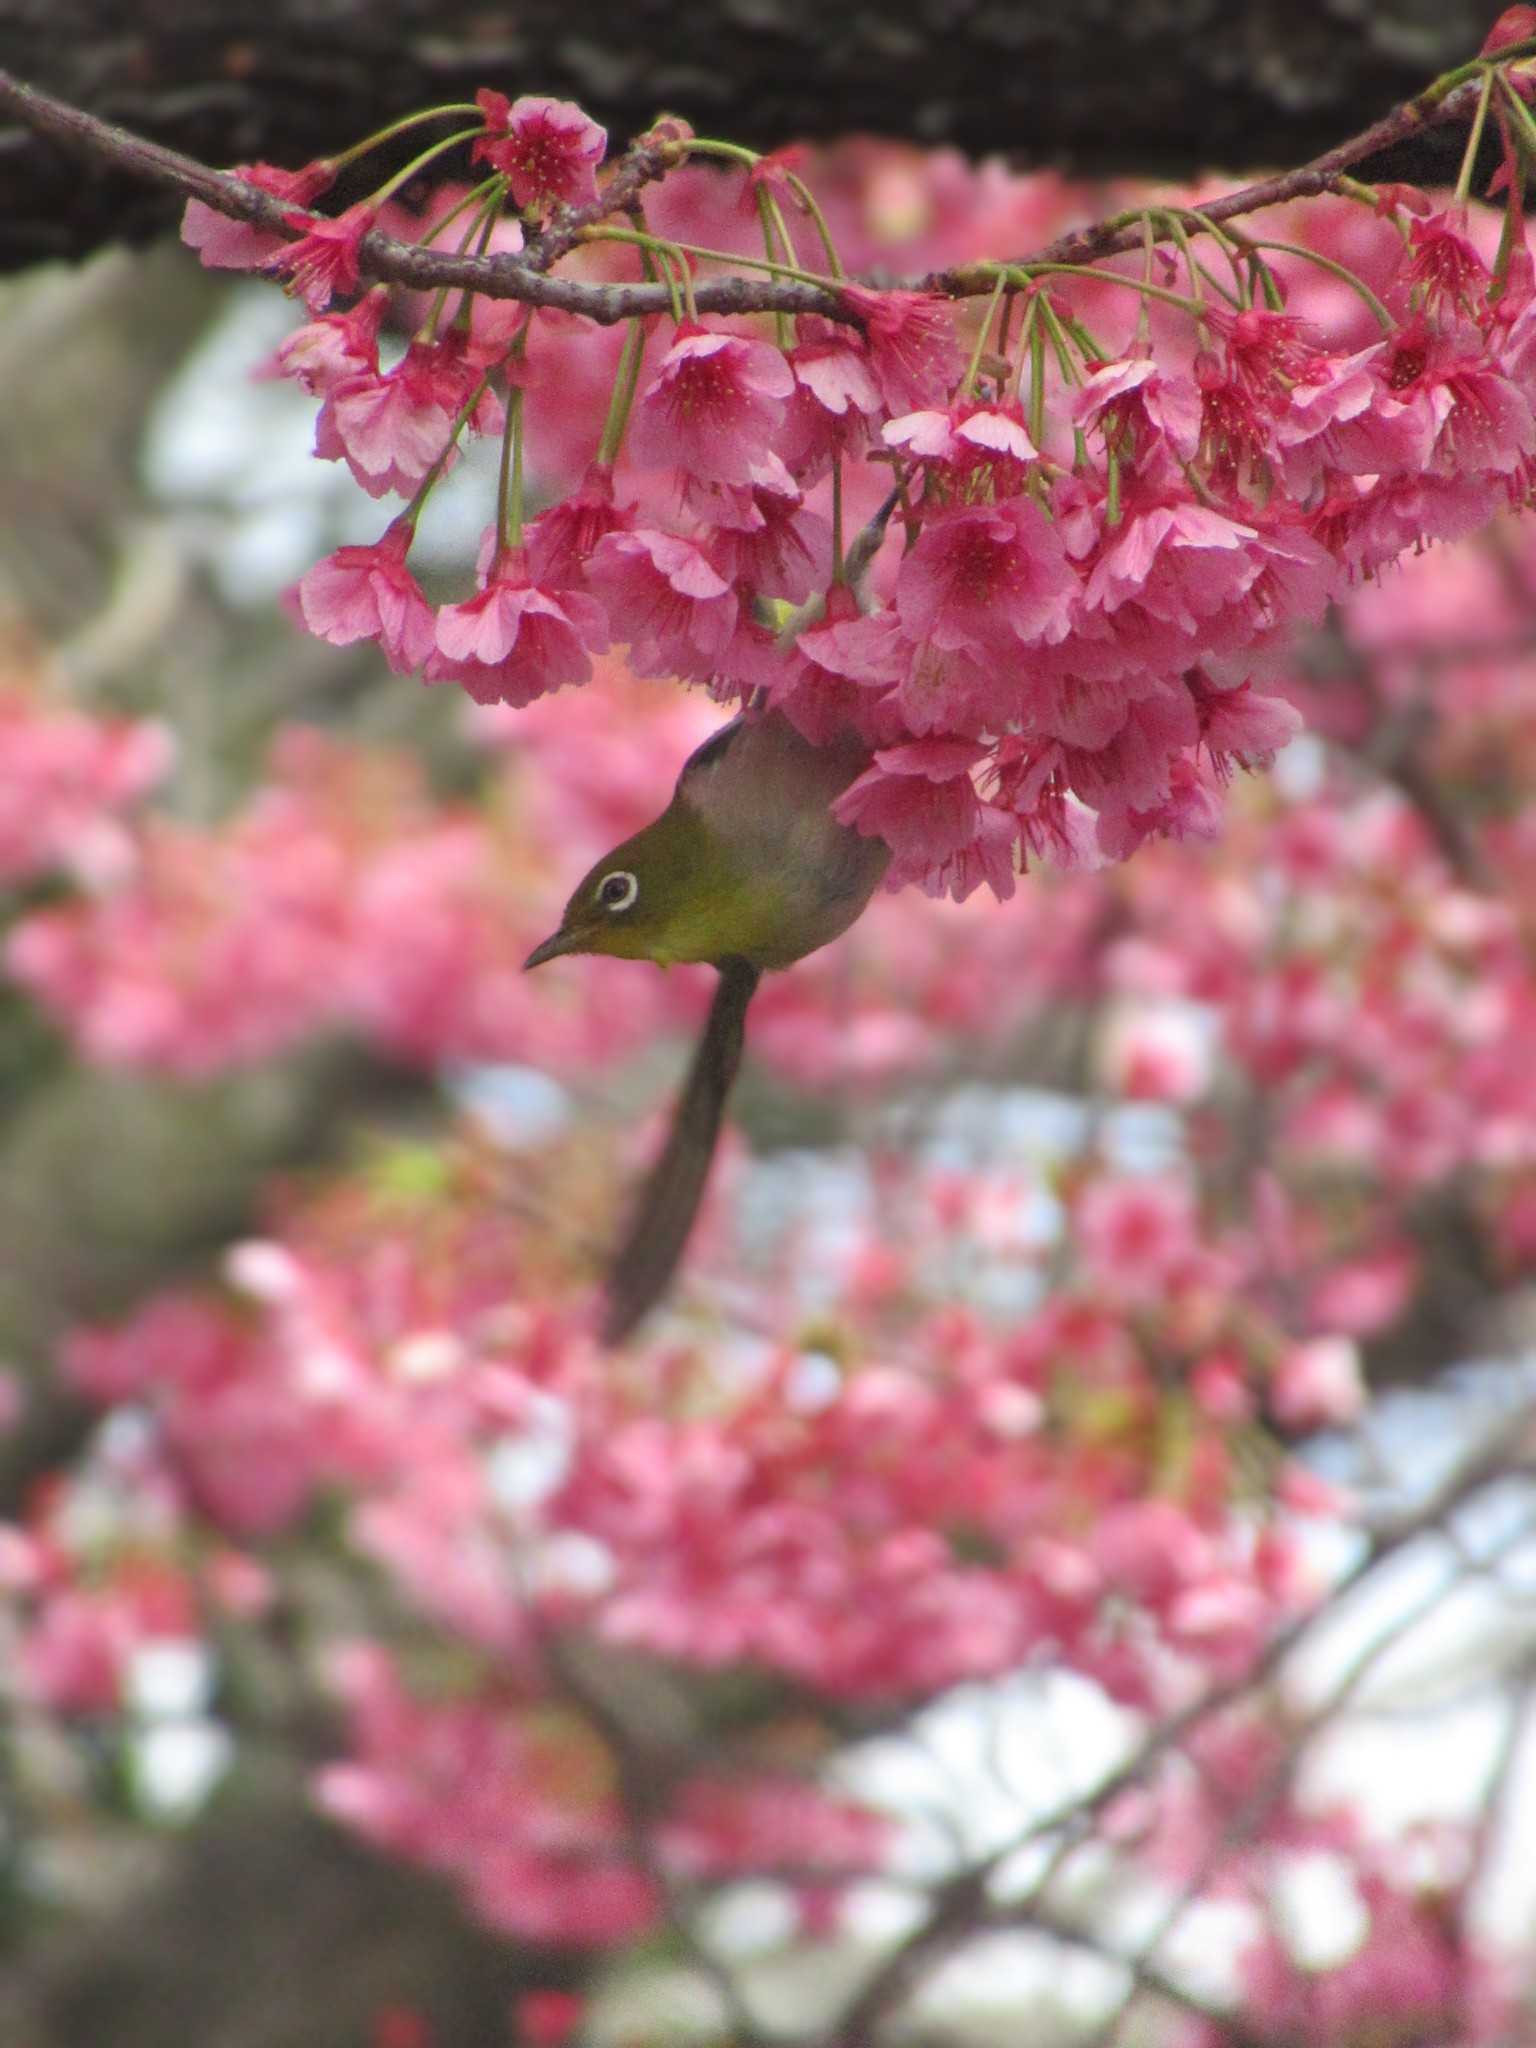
{"points": [[618, 890]]}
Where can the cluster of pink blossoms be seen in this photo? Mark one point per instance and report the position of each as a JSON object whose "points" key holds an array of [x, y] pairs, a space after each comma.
{"points": [[71, 782], [1410, 1976], [872, 1529], [1102, 521]]}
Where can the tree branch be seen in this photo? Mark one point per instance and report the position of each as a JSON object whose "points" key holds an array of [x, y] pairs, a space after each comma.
{"points": [[522, 277]]}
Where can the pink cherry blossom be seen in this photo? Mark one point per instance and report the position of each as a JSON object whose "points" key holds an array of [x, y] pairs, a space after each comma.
{"points": [[546, 2019], [1344, 417], [913, 351], [225, 244], [1134, 399], [562, 541], [1137, 1237], [392, 427], [1178, 561], [1239, 724], [836, 677], [548, 149], [768, 541], [1318, 1384], [368, 593], [677, 611], [324, 258], [1443, 261], [987, 581], [514, 640], [920, 800], [67, 780], [969, 451], [326, 352], [714, 408], [1188, 809], [835, 397]]}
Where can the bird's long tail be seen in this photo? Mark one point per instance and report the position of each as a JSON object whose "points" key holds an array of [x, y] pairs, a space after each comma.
{"points": [[663, 1215]]}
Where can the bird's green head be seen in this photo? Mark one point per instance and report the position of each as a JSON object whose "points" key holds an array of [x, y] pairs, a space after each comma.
{"points": [[670, 893]]}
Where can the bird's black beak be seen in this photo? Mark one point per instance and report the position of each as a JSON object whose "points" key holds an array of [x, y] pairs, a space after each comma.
{"points": [[560, 942]]}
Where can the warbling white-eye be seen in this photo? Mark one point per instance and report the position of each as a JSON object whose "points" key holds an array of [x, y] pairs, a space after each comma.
{"points": [[747, 869]]}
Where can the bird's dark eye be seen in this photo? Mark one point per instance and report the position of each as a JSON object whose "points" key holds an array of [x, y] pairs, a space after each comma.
{"points": [[618, 890]]}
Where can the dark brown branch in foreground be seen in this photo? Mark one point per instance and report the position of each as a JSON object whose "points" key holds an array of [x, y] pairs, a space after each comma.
{"points": [[523, 277]]}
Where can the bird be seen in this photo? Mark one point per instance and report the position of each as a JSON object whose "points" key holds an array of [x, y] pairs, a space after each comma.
{"points": [[748, 870]]}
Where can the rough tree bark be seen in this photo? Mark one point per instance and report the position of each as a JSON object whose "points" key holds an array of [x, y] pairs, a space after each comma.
{"points": [[1161, 86]]}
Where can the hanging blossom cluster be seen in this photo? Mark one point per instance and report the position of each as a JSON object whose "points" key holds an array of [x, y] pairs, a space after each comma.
{"points": [[1096, 507]]}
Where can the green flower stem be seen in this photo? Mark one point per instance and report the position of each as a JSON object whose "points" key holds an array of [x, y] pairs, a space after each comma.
{"points": [[419, 163], [1059, 342], [1232, 246], [461, 420], [482, 225], [660, 260], [604, 233], [733, 152], [1228, 240], [509, 481], [1088, 343], [1474, 142], [1027, 273], [807, 199], [1522, 113], [968, 381], [1026, 336], [685, 278], [1339, 270], [480, 193], [1036, 382], [1514, 214], [1236, 299], [401, 127], [781, 225], [1005, 324], [624, 387], [775, 234], [1148, 257], [1180, 234], [1448, 81]]}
